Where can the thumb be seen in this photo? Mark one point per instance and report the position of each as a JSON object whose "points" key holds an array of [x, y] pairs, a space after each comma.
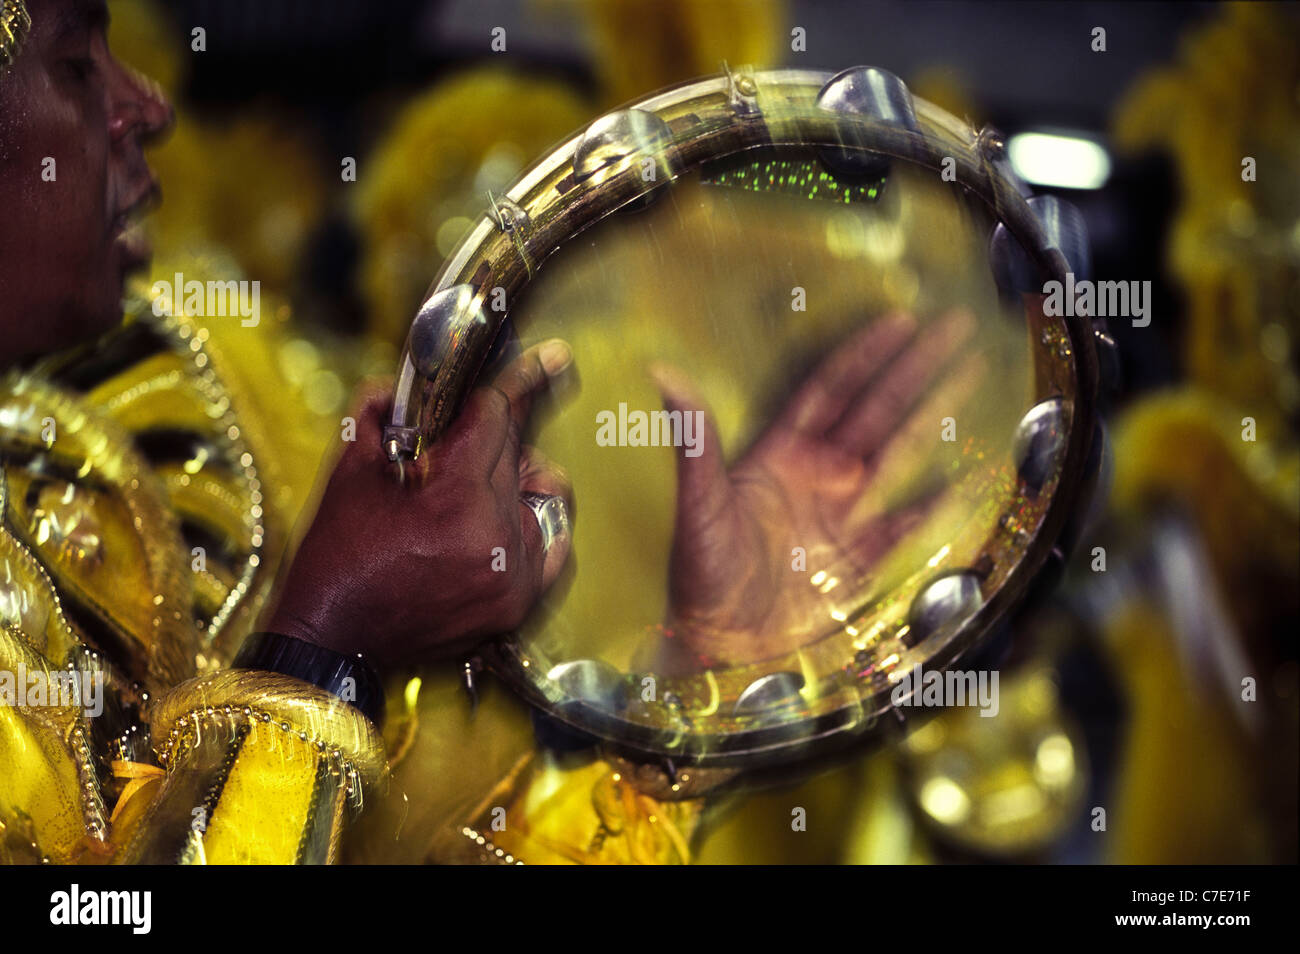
{"points": [[703, 487]]}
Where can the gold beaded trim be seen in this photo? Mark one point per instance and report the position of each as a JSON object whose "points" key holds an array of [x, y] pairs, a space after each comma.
{"points": [[193, 341], [107, 452], [490, 851], [94, 814], [92, 805], [190, 342], [34, 566], [14, 646], [229, 717]]}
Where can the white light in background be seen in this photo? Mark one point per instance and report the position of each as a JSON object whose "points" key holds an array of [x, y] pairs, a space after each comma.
{"points": [[1067, 162]]}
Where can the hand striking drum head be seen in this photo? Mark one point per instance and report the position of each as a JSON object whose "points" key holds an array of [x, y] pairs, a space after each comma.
{"points": [[823, 432]]}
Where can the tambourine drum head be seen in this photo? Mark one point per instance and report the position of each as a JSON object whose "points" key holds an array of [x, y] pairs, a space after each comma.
{"points": [[746, 280], [812, 441]]}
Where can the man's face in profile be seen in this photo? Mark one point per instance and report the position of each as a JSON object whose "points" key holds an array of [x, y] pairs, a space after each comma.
{"points": [[73, 179]]}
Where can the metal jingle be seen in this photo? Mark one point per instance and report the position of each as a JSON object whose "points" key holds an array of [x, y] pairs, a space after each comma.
{"points": [[868, 91], [1064, 230], [589, 680], [1040, 439], [768, 692], [873, 93], [442, 320], [946, 603], [1013, 271], [618, 137]]}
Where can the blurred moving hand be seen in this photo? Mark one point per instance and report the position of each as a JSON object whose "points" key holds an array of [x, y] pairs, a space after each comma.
{"points": [[735, 596], [411, 571]]}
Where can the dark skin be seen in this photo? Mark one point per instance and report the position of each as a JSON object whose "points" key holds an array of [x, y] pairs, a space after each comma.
{"points": [[734, 594], [406, 570], [401, 572], [65, 245]]}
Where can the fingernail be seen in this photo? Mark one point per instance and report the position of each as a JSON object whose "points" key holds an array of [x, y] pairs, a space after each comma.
{"points": [[555, 356]]}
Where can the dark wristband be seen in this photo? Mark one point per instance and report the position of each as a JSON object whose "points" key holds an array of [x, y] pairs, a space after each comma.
{"points": [[348, 677]]}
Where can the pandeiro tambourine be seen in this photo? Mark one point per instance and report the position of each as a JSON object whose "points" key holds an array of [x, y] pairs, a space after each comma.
{"points": [[824, 434]]}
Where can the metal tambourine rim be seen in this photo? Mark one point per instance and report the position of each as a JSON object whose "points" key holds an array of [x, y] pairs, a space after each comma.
{"points": [[518, 232]]}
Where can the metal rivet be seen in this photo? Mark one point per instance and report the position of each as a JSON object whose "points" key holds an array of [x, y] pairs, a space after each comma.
{"points": [[441, 321], [872, 93], [1040, 438], [508, 215], [944, 605], [1063, 229], [1066, 231], [617, 137]]}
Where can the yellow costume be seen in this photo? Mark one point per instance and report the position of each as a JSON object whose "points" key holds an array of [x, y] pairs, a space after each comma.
{"points": [[135, 549]]}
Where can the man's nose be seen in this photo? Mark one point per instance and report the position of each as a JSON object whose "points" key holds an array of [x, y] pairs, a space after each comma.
{"points": [[139, 107]]}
